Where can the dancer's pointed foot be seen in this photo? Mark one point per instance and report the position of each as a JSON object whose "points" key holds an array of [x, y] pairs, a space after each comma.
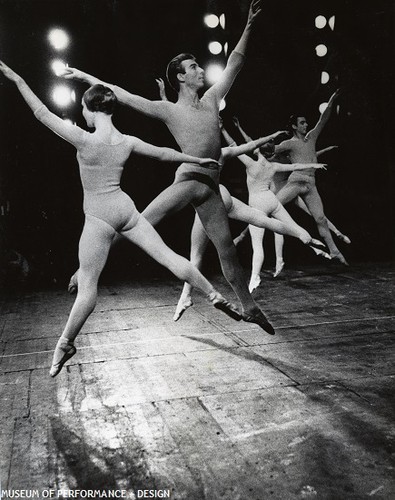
{"points": [[240, 238], [316, 243], [321, 253], [256, 316], [223, 305], [343, 237], [184, 302], [255, 281], [339, 258], [63, 352], [279, 267], [73, 284]]}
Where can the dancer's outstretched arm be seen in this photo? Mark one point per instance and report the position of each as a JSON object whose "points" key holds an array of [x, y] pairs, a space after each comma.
{"points": [[71, 133], [232, 151], [166, 154], [237, 57], [325, 150], [154, 109], [245, 136], [284, 167], [323, 119]]}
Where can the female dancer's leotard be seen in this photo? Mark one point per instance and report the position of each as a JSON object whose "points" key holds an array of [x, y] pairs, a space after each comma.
{"points": [[101, 166]]}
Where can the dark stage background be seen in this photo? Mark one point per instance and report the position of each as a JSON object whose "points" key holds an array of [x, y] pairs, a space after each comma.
{"points": [[129, 42]]}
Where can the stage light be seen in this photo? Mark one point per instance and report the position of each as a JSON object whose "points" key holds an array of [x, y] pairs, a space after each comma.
{"points": [[226, 48], [222, 104], [58, 67], [323, 107], [222, 20], [62, 96], [213, 73], [320, 22], [58, 38], [324, 77], [211, 20], [215, 47], [321, 50], [331, 23]]}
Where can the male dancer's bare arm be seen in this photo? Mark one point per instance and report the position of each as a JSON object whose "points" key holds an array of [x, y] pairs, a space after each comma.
{"points": [[237, 57], [323, 119], [153, 109], [282, 167], [243, 149], [325, 150]]}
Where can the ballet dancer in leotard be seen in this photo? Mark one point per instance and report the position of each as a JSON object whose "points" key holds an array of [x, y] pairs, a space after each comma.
{"points": [[108, 210], [194, 123]]}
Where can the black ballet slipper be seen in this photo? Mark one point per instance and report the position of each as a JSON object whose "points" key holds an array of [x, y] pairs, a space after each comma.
{"points": [[339, 258], [259, 319], [223, 305], [67, 351]]}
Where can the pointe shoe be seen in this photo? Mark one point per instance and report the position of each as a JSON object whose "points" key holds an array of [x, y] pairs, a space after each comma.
{"points": [[73, 284], [255, 281], [279, 268], [321, 253], [183, 304], [343, 237], [340, 258], [223, 305], [259, 319], [65, 350]]}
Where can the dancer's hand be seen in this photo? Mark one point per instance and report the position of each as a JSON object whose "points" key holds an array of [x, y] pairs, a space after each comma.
{"points": [[280, 132], [162, 89], [207, 161], [236, 121], [255, 9], [220, 122], [72, 74], [9, 73], [321, 166]]}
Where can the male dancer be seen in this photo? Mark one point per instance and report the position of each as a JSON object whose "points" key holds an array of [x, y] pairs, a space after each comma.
{"points": [[194, 123], [301, 148]]}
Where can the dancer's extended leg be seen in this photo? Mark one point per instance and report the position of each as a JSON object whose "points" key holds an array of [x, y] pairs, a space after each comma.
{"points": [[279, 251], [258, 256]]}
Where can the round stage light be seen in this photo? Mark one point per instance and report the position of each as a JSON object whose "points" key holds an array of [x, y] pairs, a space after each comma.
{"points": [[211, 20], [322, 107], [213, 73], [58, 38], [222, 105], [58, 66], [320, 22], [321, 50], [222, 21], [324, 77], [215, 47], [331, 23], [62, 96]]}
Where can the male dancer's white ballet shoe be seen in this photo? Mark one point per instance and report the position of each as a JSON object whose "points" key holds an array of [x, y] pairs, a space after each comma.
{"points": [[63, 352], [279, 267], [73, 284], [340, 258], [223, 305], [255, 281], [321, 253], [256, 316], [183, 304]]}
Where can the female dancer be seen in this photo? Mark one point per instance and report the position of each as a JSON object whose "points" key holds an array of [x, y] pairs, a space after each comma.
{"points": [[101, 156], [263, 211]]}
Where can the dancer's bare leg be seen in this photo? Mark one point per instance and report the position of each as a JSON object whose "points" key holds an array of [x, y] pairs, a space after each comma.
{"points": [[199, 242], [279, 251], [258, 256], [315, 207], [94, 246], [302, 205]]}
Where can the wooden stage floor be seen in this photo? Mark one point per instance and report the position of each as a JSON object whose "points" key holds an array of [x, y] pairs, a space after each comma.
{"points": [[205, 408]]}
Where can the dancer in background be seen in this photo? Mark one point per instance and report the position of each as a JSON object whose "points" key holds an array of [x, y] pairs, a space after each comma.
{"points": [[194, 123], [108, 210]]}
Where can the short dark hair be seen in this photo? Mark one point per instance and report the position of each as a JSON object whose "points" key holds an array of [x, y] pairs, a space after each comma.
{"points": [[174, 67], [100, 98], [293, 120]]}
